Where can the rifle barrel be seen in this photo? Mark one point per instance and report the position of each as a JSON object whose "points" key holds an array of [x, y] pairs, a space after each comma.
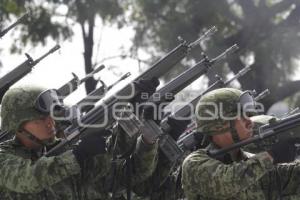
{"points": [[20, 20]]}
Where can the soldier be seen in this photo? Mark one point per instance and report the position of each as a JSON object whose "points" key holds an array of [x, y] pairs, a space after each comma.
{"points": [[223, 116], [79, 173]]}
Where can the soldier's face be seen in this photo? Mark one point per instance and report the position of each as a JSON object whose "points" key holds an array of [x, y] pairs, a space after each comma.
{"points": [[244, 128], [43, 128]]}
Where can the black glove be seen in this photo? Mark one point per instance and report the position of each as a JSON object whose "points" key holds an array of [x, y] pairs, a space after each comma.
{"points": [[143, 87], [284, 151], [89, 146], [177, 126]]}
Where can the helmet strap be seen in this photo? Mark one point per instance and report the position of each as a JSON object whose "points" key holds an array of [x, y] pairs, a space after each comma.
{"points": [[31, 137], [233, 132]]}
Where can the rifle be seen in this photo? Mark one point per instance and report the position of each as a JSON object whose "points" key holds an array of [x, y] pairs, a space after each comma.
{"points": [[104, 110], [167, 143], [186, 110], [272, 129], [20, 71], [190, 140], [87, 103], [69, 115], [20, 20], [189, 76], [73, 84]]}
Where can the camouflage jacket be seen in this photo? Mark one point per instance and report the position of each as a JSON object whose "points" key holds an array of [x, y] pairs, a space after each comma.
{"points": [[248, 178], [155, 187], [165, 182], [25, 176]]}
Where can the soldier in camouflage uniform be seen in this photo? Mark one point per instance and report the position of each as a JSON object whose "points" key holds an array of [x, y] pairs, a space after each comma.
{"points": [[83, 172], [237, 174]]}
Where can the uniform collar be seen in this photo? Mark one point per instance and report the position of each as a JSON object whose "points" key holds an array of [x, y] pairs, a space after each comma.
{"points": [[227, 158]]}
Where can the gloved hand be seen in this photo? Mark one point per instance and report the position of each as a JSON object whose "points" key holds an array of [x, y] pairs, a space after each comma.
{"points": [[177, 126], [89, 146], [144, 86], [284, 151]]}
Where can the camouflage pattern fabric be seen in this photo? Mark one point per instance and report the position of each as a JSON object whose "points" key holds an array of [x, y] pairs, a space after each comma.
{"points": [[17, 106], [151, 187], [165, 182], [160, 185], [26, 177], [213, 105], [124, 145], [254, 178]]}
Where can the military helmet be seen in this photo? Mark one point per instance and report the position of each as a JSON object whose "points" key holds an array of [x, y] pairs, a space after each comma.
{"points": [[219, 106], [23, 104]]}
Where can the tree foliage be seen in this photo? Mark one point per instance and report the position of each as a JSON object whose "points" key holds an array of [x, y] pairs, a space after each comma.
{"points": [[265, 30], [48, 20]]}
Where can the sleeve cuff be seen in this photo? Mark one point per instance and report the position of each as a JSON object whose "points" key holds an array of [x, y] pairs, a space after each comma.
{"points": [[265, 159]]}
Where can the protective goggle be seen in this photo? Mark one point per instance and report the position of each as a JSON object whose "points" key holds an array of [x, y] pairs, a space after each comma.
{"points": [[47, 101], [247, 103]]}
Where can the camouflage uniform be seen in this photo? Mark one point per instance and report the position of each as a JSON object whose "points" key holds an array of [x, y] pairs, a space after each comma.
{"points": [[255, 178], [163, 184], [244, 177], [26, 174]]}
